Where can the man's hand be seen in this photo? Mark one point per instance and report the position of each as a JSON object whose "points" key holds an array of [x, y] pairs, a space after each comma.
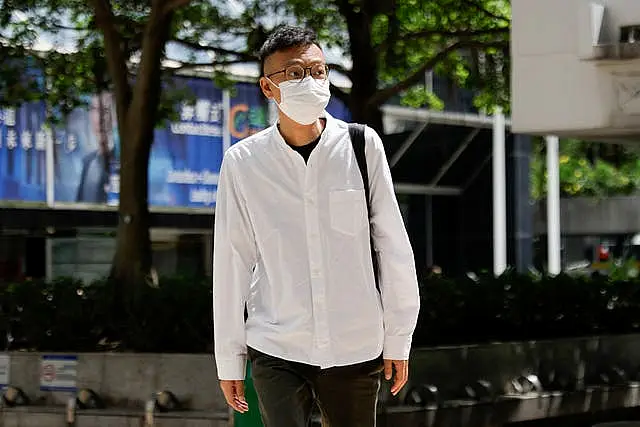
{"points": [[234, 394], [399, 370]]}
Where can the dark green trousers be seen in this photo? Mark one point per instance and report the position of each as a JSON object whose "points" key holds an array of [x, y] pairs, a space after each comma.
{"points": [[287, 392]]}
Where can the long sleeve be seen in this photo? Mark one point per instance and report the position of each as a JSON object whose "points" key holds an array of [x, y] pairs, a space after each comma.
{"points": [[397, 271], [234, 256]]}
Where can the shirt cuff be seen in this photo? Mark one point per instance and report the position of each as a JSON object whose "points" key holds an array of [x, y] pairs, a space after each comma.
{"points": [[232, 368], [397, 347]]}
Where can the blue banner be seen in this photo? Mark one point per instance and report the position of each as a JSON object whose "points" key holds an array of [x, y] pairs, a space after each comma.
{"points": [[338, 110], [248, 112], [187, 154], [85, 151], [185, 158], [23, 142]]}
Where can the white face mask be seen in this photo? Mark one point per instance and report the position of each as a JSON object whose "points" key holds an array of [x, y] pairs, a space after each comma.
{"points": [[304, 101]]}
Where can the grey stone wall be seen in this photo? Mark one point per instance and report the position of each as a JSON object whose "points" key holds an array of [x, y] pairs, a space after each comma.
{"points": [[127, 381], [613, 215]]}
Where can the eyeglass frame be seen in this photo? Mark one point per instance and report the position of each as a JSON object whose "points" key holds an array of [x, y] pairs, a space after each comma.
{"points": [[304, 69]]}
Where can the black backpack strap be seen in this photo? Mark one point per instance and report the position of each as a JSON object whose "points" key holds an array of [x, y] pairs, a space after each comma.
{"points": [[356, 133]]}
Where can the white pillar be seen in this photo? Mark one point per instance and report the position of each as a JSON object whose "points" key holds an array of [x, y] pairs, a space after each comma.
{"points": [[499, 195], [553, 206], [50, 169], [226, 118]]}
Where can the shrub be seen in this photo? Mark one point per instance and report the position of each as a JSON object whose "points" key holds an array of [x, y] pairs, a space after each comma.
{"points": [[68, 315], [516, 307]]}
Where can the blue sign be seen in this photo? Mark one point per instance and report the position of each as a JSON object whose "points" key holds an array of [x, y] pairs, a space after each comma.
{"points": [[185, 157], [248, 113], [338, 110], [23, 143], [58, 372], [184, 162], [85, 151]]}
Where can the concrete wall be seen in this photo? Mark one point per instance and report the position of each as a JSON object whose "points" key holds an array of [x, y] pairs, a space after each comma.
{"points": [[127, 381], [554, 89], [451, 369], [613, 215], [55, 417]]}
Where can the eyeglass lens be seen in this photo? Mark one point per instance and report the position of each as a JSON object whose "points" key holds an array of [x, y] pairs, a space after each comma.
{"points": [[297, 72]]}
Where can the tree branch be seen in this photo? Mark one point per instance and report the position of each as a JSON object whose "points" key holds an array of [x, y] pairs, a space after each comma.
{"points": [[447, 34], [67, 28], [191, 65], [218, 50], [345, 7], [385, 94], [116, 59], [487, 12], [171, 6], [148, 79]]}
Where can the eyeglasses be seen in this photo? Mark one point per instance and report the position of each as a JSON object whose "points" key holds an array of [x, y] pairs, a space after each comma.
{"points": [[296, 73]]}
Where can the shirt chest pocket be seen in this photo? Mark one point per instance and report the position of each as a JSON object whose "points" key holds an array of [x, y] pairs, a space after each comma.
{"points": [[348, 211]]}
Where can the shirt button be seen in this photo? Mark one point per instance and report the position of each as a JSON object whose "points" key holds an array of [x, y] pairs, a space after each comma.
{"points": [[315, 273]]}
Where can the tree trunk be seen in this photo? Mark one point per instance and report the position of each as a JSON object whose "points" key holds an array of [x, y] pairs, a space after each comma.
{"points": [[137, 108], [132, 260], [364, 71], [362, 113]]}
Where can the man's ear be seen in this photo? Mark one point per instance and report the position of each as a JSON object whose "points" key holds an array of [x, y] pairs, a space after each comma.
{"points": [[266, 88]]}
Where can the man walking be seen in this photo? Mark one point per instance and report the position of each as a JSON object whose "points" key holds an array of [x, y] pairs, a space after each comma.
{"points": [[294, 285]]}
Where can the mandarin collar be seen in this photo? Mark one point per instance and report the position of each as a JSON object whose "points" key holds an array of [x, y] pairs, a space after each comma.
{"points": [[330, 124]]}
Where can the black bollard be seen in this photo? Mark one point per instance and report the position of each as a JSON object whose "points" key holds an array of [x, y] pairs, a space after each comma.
{"points": [[88, 399], [480, 391], [525, 384], [166, 401], [422, 395]]}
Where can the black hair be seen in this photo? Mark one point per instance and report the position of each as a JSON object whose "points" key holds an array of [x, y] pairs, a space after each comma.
{"points": [[285, 37]]}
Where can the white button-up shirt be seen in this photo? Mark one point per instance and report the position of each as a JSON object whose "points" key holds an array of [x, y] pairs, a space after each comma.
{"points": [[292, 244]]}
